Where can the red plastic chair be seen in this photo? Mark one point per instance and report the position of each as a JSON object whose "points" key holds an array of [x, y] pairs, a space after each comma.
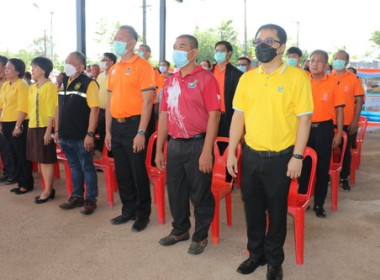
{"points": [[62, 159], [336, 164], [356, 152], [157, 177], [221, 186], [107, 165], [298, 203]]}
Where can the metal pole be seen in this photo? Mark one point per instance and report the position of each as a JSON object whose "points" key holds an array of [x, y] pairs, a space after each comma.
{"points": [[51, 34], [81, 26], [298, 33], [245, 28], [144, 21], [162, 29]]}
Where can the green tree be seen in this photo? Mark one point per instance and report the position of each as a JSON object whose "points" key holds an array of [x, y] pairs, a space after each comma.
{"points": [[376, 37], [229, 33], [206, 41]]}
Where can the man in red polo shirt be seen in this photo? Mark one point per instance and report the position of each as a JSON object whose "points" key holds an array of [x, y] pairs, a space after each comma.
{"points": [[190, 112], [353, 92]]}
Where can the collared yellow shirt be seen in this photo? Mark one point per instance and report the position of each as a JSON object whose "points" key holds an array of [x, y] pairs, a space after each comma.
{"points": [[13, 100]]}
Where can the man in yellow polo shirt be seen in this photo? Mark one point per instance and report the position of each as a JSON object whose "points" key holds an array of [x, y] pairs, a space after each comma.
{"points": [[129, 108], [274, 104]]}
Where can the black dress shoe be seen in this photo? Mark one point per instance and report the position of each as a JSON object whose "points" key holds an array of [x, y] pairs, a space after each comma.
{"points": [[250, 265], [38, 200], [19, 191], [320, 212], [274, 272], [140, 224], [15, 189], [122, 219]]}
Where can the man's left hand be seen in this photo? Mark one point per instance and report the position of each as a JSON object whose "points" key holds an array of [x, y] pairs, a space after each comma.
{"points": [[88, 143], [294, 168]]}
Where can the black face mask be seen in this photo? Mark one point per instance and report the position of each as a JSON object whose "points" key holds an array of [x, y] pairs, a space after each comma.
{"points": [[265, 53]]}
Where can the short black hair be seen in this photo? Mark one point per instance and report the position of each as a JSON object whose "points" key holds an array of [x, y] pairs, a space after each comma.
{"points": [[45, 64], [346, 54], [131, 30], [294, 50], [147, 48], [281, 33], [245, 58], [322, 52], [111, 56], [353, 69], [226, 44], [19, 66], [3, 60], [166, 62], [209, 64], [27, 75], [191, 38]]}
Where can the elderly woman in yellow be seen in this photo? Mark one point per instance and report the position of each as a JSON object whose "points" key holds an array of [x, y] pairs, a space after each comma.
{"points": [[43, 101], [14, 109]]}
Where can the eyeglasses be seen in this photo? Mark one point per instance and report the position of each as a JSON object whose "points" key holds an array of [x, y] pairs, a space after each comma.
{"points": [[267, 41], [242, 64]]}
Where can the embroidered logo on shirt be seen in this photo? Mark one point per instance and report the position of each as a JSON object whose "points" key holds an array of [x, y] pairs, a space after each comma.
{"points": [[280, 89], [77, 86], [325, 96], [128, 71], [193, 84]]}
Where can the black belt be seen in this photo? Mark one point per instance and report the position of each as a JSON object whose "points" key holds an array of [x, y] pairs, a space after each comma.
{"points": [[318, 124], [123, 120], [267, 154], [195, 137]]}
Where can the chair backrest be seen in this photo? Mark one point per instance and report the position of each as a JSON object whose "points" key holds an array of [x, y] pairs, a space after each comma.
{"points": [[219, 170], [363, 123], [337, 154], [150, 151], [293, 192]]}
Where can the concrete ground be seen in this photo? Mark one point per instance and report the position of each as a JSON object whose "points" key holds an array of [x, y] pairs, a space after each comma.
{"points": [[45, 242]]}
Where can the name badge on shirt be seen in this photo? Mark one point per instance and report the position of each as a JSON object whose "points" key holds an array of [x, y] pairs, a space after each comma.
{"points": [[193, 84], [128, 71]]}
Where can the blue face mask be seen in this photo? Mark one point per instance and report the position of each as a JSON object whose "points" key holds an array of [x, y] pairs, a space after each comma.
{"points": [[338, 64], [242, 68], [120, 48], [163, 69], [327, 71], [140, 54], [220, 57], [292, 61], [180, 58]]}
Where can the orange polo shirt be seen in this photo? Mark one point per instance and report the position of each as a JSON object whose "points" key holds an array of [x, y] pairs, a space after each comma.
{"points": [[351, 86], [126, 81], [326, 98], [220, 76]]}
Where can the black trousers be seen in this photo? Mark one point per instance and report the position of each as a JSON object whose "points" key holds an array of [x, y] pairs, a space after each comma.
{"points": [[9, 168], [184, 181], [131, 174], [23, 174], [265, 187], [346, 167], [101, 130], [320, 140]]}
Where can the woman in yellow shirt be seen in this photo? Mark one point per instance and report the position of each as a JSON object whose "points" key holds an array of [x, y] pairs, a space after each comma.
{"points": [[14, 109], [43, 101]]}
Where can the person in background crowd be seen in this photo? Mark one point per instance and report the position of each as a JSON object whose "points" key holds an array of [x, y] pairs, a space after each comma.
{"points": [[328, 68], [59, 80], [353, 92], [244, 64], [95, 71], [328, 103], [274, 146], [228, 77], [306, 65], [294, 56], [206, 64], [43, 101], [108, 60], [76, 121], [5, 151], [131, 84], [28, 78], [351, 69], [88, 71], [164, 69], [190, 115], [14, 123]]}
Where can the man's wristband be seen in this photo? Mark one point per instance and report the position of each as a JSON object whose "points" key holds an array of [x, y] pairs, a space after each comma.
{"points": [[91, 134], [141, 132], [297, 156]]}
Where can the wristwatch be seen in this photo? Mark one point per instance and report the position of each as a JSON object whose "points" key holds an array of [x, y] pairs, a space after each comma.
{"points": [[91, 134], [18, 127], [297, 156], [141, 132]]}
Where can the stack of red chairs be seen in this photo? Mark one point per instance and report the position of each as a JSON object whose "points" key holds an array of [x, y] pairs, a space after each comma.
{"points": [[221, 186], [356, 152], [62, 159], [336, 164], [298, 204]]}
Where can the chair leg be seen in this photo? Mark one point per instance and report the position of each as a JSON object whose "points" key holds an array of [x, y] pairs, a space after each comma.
{"points": [[228, 199], [334, 190], [159, 190], [352, 169], [215, 222], [109, 186], [57, 173], [69, 182], [299, 228]]}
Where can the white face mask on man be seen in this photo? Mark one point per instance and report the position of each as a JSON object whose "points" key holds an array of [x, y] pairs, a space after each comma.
{"points": [[70, 70]]}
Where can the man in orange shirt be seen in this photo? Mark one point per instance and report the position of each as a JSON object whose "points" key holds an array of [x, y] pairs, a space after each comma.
{"points": [[328, 102], [228, 77], [353, 92], [129, 108]]}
